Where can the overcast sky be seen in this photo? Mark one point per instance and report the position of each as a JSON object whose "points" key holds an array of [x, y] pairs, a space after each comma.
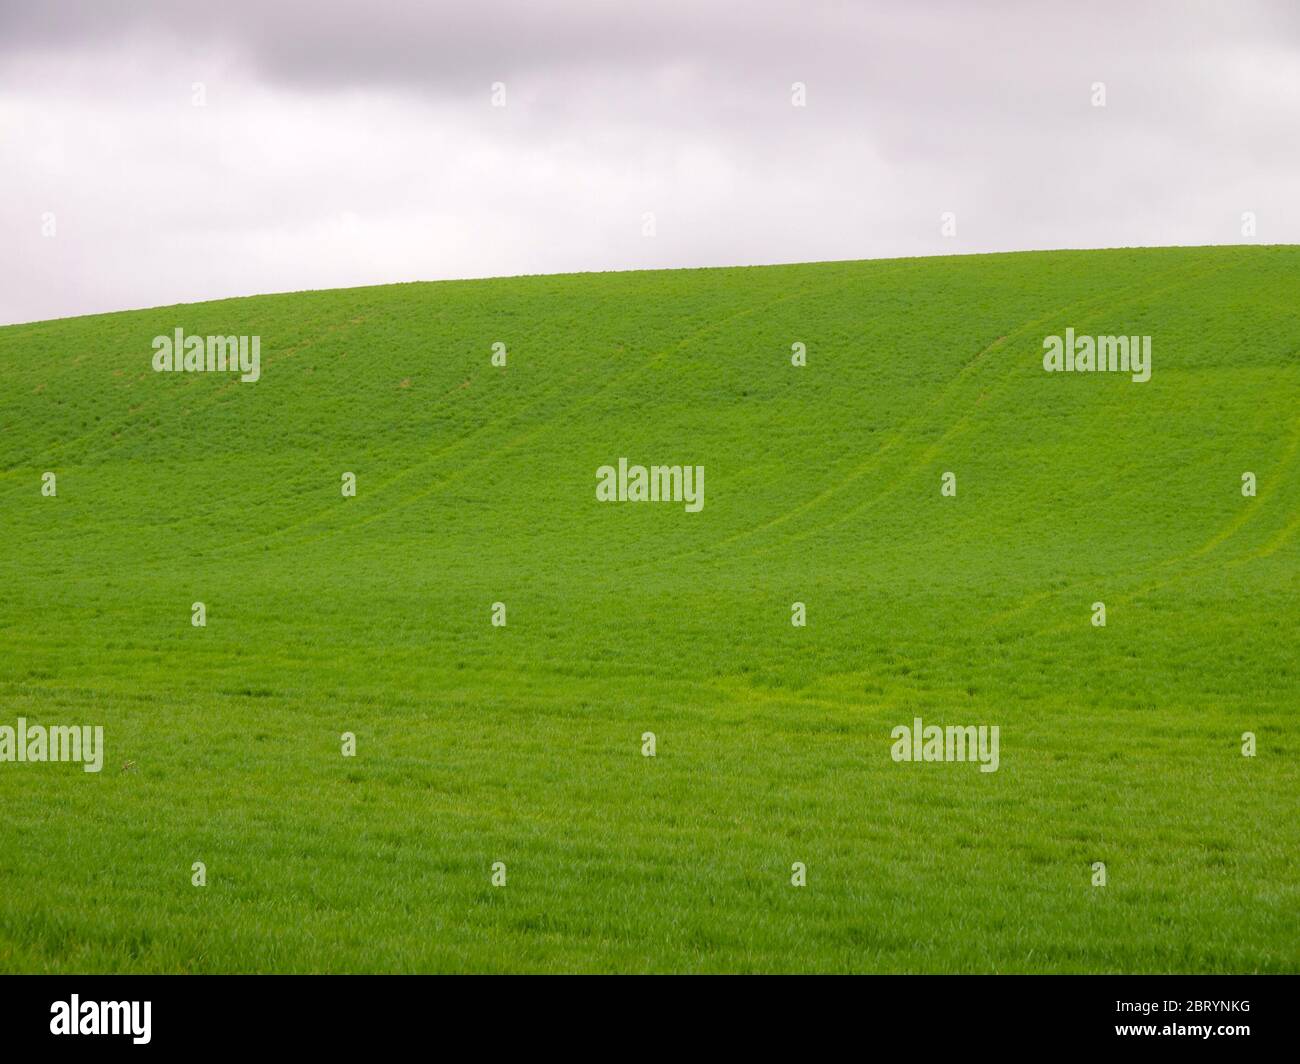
{"points": [[347, 143]]}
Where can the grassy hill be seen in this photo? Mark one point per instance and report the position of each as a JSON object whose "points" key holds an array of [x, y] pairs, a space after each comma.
{"points": [[522, 744]]}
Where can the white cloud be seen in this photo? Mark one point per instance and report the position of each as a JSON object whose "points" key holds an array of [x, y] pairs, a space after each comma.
{"points": [[359, 146]]}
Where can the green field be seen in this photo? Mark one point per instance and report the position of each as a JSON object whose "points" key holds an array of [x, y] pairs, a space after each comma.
{"points": [[522, 744]]}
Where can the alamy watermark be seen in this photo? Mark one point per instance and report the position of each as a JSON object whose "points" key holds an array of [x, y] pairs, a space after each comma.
{"points": [[638, 483], [179, 353], [37, 743], [956, 742], [1098, 354], [102, 1017]]}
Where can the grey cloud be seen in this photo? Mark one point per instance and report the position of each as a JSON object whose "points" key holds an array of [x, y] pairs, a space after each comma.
{"points": [[354, 143]]}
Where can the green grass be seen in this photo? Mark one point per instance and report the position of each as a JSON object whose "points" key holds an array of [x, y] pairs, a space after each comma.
{"points": [[523, 744]]}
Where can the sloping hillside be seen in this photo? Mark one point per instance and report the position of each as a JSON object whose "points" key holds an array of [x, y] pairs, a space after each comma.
{"points": [[522, 743]]}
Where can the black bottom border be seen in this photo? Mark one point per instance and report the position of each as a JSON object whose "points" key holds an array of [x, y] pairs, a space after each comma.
{"points": [[976, 1012]]}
